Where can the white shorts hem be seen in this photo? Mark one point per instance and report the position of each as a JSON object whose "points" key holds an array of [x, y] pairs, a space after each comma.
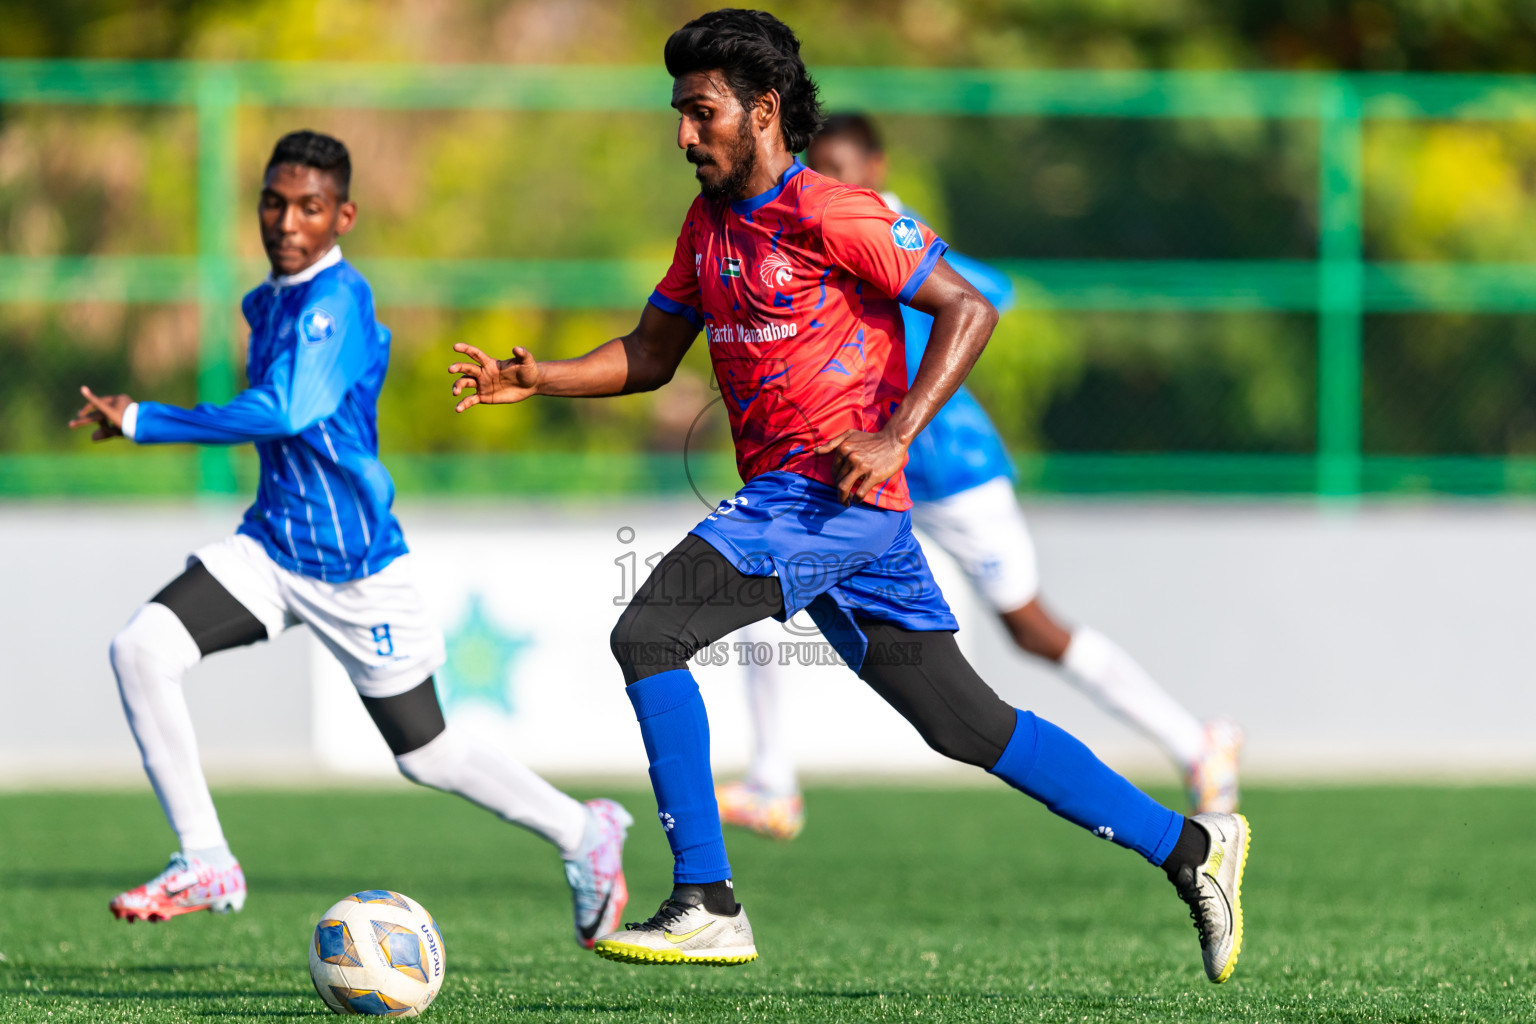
{"points": [[983, 529]]}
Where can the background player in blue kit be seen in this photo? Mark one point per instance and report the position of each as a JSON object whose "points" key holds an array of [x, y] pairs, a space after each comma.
{"points": [[321, 547], [961, 481]]}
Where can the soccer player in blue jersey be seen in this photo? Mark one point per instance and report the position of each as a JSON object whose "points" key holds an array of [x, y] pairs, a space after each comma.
{"points": [[321, 547], [961, 482], [798, 280]]}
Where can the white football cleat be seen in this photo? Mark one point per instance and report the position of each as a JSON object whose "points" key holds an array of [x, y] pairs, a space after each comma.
{"points": [[185, 886], [596, 873], [1214, 892], [683, 932], [1212, 780]]}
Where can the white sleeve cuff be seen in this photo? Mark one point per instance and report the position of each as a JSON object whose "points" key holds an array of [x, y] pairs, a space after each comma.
{"points": [[131, 420]]}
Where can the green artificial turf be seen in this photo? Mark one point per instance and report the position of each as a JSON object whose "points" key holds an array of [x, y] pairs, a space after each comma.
{"points": [[1379, 904]]}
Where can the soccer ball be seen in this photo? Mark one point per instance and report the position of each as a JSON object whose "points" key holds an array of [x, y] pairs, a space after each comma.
{"points": [[377, 953]]}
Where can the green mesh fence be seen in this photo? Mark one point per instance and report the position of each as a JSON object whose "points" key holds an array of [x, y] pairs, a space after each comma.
{"points": [[1346, 333]]}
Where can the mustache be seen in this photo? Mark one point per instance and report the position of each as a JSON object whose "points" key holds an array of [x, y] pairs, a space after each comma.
{"points": [[698, 159]]}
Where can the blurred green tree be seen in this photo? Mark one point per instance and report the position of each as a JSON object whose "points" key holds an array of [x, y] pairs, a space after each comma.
{"points": [[468, 185]]}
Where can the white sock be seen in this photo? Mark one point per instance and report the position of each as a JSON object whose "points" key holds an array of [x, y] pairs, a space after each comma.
{"points": [[150, 657], [484, 775], [1114, 679], [217, 857], [773, 766]]}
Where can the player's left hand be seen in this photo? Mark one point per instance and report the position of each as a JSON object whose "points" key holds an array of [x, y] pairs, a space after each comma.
{"points": [[864, 461], [106, 413]]}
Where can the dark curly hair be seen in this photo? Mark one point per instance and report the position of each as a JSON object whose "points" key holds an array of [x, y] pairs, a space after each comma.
{"points": [[756, 52], [322, 152]]}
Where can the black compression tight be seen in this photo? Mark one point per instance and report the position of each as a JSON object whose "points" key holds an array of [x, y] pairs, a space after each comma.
{"points": [[212, 615], [692, 598], [938, 691], [695, 596]]}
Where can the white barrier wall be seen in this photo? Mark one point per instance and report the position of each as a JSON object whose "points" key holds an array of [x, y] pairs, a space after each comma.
{"points": [[1385, 641], [529, 661]]}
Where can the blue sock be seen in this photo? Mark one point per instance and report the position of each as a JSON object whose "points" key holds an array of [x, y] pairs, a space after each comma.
{"points": [[675, 727], [1055, 768]]}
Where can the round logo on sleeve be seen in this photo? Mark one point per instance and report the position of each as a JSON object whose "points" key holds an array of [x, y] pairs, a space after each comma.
{"points": [[906, 234], [316, 325]]}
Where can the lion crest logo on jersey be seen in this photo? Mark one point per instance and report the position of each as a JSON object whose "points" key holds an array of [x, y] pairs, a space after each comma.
{"points": [[906, 234], [776, 270]]}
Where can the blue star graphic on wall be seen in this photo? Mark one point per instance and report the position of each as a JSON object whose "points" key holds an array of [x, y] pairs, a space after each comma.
{"points": [[481, 659]]}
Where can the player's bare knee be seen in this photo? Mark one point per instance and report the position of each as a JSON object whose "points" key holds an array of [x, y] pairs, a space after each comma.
{"points": [[1036, 632], [1032, 640]]}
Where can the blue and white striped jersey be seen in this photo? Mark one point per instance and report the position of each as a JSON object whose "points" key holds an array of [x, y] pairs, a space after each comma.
{"points": [[960, 448], [316, 364]]}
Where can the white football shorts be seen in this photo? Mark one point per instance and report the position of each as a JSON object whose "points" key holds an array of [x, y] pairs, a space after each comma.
{"points": [[377, 626], [983, 529]]}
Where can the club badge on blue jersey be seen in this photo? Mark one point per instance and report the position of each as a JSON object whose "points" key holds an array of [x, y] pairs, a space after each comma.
{"points": [[316, 325], [906, 234]]}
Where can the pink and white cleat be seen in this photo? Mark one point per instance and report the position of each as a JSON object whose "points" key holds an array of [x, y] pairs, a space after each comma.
{"points": [[185, 886], [1212, 780], [751, 806], [596, 873]]}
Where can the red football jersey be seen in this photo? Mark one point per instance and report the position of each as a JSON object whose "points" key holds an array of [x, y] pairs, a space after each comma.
{"points": [[798, 292]]}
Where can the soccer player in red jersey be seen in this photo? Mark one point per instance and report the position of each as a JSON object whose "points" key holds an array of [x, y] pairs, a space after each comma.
{"points": [[798, 281], [961, 481]]}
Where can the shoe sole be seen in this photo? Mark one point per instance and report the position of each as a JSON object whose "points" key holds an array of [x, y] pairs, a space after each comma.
{"points": [[161, 916], [1237, 905], [626, 953]]}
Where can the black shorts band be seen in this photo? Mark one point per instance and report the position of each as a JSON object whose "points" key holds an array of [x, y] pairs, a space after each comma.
{"points": [[408, 721], [211, 614]]}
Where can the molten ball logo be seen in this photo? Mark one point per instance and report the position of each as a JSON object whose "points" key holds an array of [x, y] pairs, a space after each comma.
{"points": [[776, 271]]}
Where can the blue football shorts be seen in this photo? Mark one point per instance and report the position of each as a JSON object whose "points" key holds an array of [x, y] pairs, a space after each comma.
{"points": [[838, 562]]}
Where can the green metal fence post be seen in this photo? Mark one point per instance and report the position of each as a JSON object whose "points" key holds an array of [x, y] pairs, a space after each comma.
{"points": [[217, 96], [1340, 228]]}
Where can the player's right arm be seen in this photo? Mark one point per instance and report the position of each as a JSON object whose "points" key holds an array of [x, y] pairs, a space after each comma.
{"points": [[306, 382], [642, 360]]}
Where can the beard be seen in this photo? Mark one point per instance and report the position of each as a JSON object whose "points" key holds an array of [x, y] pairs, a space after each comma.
{"points": [[743, 159]]}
